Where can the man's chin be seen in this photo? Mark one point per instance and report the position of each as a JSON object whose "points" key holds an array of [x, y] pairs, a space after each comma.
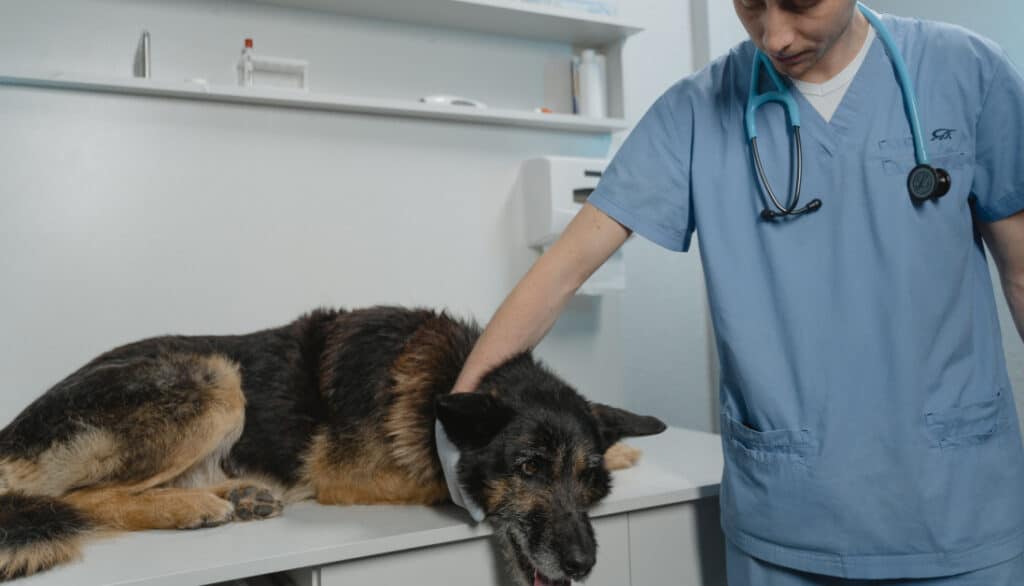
{"points": [[792, 70], [801, 64]]}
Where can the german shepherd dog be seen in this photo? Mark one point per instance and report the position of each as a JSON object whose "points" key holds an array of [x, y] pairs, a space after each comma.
{"points": [[182, 432]]}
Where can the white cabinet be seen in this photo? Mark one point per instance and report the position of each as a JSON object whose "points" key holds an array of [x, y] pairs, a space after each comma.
{"points": [[675, 545], [465, 562], [475, 561]]}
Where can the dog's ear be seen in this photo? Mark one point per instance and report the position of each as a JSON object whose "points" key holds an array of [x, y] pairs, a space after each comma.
{"points": [[471, 420], [616, 423]]}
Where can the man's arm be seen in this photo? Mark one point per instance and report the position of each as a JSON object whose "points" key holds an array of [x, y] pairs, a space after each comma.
{"points": [[1005, 240], [534, 304]]}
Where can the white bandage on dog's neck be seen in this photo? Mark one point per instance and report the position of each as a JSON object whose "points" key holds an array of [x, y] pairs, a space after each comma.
{"points": [[449, 456]]}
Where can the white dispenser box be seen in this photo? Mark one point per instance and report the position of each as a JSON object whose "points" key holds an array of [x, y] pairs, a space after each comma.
{"points": [[555, 189], [257, 70]]}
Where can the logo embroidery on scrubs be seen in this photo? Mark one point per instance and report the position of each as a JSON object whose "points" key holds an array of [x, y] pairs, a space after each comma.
{"points": [[942, 134]]}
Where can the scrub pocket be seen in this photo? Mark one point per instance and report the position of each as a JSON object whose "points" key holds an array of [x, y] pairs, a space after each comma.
{"points": [[767, 447], [901, 165], [897, 154], [967, 425]]}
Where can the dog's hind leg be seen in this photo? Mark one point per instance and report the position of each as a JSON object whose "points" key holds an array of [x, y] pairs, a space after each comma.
{"points": [[93, 453], [173, 507], [157, 508], [90, 456], [135, 424], [196, 429], [173, 444]]}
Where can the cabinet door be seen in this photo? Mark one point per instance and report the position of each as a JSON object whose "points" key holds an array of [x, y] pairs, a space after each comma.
{"points": [[612, 567], [475, 561], [677, 545]]}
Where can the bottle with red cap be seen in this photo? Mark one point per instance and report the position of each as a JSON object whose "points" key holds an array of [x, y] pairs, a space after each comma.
{"points": [[245, 65]]}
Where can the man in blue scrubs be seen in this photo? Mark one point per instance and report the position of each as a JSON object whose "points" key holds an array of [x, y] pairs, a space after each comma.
{"points": [[868, 422]]}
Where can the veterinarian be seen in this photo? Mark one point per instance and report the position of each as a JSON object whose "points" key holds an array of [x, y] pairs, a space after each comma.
{"points": [[868, 422]]}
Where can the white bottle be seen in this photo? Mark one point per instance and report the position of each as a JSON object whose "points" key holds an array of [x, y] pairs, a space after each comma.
{"points": [[592, 98], [245, 67]]}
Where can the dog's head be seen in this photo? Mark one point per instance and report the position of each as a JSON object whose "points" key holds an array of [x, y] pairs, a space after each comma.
{"points": [[532, 455]]}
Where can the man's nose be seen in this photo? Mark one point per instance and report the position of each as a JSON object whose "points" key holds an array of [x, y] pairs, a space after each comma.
{"points": [[778, 33]]}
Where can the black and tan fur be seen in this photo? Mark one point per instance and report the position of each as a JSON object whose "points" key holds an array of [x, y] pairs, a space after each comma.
{"points": [[183, 432]]}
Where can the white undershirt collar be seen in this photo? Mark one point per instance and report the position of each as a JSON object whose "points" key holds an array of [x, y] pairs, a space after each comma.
{"points": [[841, 79]]}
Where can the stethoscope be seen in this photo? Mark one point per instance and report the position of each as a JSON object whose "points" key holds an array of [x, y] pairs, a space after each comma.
{"points": [[924, 181]]}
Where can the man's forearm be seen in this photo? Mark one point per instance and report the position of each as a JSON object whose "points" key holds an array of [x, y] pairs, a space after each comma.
{"points": [[534, 304], [1005, 240], [1014, 290]]}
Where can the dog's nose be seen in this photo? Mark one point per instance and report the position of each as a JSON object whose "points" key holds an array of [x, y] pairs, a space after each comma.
{"points": [[577, 564]]}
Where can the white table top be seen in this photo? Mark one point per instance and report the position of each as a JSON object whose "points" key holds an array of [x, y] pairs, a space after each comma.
{"points": [[677, 466]]}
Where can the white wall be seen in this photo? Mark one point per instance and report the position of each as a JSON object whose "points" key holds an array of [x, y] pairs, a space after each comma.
{"points": [[999, 20], [123, 217], [664, 329], [716, 30]]}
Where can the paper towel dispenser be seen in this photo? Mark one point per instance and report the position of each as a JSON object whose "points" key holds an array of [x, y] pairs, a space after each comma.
{"points": [[555, 189]]}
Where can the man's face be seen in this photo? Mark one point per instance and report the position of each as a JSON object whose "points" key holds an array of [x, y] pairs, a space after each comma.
{"points": [[795, 34]]}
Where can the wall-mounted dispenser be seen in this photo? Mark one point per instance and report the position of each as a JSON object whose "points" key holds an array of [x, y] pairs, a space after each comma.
{"points": [[555, 189]]}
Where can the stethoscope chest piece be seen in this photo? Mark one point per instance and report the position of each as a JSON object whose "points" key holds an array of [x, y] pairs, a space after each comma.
{"points": [[926, 182]]}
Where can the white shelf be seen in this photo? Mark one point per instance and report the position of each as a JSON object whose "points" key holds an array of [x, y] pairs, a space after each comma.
{"points": [[312, 101], [504, 17]]}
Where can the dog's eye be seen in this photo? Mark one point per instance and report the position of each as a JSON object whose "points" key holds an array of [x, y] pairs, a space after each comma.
{"points": [[528, 468]]}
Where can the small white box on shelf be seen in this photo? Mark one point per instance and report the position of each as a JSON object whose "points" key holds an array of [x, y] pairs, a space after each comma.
{"points": [[255, 70]]}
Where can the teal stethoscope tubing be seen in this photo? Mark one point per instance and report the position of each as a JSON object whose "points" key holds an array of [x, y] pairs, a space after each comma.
{"points": [[781, 94]]}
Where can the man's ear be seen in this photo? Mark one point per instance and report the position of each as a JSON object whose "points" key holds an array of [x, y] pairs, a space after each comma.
{"points": [[471, 420], [616, 423]]}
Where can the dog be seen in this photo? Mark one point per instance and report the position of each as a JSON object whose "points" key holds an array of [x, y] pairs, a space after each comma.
{"points": [[184, 432]]}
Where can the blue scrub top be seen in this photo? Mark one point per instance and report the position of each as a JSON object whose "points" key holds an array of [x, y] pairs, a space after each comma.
{"points": [[868, 421]]}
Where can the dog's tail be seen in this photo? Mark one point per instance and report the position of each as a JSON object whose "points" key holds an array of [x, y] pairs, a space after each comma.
{"points": [[37, 533]]}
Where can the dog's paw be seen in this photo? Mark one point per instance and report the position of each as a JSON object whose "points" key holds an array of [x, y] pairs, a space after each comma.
{"points": [[207, 512], [253, 502], [621, 456]]}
